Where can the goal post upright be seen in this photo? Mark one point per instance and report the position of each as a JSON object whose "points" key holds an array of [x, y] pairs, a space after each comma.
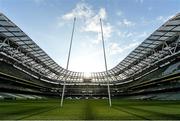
{"points": [[105, 63], [67, 66]]}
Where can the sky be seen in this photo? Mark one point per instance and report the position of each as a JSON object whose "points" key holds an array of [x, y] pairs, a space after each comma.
{"points": [[126, 23]]}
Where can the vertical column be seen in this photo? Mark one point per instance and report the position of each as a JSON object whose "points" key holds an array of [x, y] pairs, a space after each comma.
{"points": [[67, 66], [105, 62]]}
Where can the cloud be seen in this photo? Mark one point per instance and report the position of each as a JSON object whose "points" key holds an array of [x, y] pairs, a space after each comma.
{"points": [[142, 35], [114, 48], [157, 20], [164, 18], [102, 13], [82, 10], [90, 20], [131, 46], [93, 24], [161, 18], [126, 23], [125, 34], [119, 13], [134, 39], [135, 35]]}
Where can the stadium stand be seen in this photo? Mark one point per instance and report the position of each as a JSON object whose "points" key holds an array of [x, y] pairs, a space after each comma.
{"points": [[150, 71]]}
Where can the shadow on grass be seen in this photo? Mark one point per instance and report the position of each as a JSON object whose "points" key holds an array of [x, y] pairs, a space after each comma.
{"points": [[89, 111]]}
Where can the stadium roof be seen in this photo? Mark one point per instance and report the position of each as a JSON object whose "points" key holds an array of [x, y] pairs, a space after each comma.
{"points": [[15, 44]]}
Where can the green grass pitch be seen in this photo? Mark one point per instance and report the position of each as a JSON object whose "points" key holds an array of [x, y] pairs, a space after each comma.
{"points": [[88, 109]]}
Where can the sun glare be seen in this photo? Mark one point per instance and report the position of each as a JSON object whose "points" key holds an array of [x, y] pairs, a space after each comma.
{"points": [[87, 75], [86, 64]]}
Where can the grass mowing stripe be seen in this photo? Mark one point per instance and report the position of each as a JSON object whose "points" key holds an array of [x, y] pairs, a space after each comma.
{"points": [[130, 112], [38, 112], [88, 110], [157, 113], [173, 106], [103, 111], [71, 110], [18, 113]]}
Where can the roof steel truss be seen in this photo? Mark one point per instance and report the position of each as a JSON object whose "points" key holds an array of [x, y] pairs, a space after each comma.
{"points": [[165, 41]]}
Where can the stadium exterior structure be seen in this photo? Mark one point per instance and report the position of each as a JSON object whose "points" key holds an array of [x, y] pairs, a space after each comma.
{"points": [[25, 64]]}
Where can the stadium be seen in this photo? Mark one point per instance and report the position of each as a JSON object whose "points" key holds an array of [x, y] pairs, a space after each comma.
{"points": [[145, 85]]}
